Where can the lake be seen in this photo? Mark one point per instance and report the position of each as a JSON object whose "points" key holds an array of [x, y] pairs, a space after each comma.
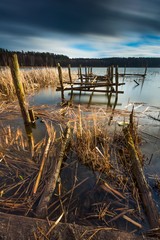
{"points": [[146, 100]]}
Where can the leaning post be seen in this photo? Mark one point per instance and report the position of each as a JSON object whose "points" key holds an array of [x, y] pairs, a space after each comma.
{"points": [[14, 67]]}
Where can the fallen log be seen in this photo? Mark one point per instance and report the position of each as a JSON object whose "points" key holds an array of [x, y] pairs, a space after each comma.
{"points": [[52, 180], [137, 171], [15, 227]]}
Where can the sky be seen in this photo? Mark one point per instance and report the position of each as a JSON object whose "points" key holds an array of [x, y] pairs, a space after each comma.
{"points": [[82, 28]]}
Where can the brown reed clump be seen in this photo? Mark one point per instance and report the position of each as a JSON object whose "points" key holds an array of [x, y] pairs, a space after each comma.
{"points": [[32, 79], [92, 143], [6, 84]]}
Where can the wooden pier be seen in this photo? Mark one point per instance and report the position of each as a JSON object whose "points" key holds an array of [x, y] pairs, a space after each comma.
{"points": [[90, 82]]}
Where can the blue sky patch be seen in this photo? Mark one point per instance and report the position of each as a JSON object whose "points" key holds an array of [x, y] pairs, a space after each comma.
{"points": [[134, 44], [84, 47]]}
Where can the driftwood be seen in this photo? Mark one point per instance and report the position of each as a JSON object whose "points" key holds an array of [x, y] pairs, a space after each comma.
{"points": [[51, 183], [15, 227], [144, 190]]}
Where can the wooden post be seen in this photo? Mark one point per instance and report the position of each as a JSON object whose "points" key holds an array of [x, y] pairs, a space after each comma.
{"points": [[111, 73], [124, 70], [14, 66], [86, 71], [80, 72], [61, 81], [108, 72], [69, 73], [71, 98], [116, 78], [145, 71], [91, 72]]}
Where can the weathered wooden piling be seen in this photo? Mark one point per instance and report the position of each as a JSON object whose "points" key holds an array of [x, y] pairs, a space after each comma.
{"points": [[80, 73], [86, 71], [116, 78], [69, 73], [14, 67], [71, 97], [145, 71], [111, 73], [61, 81], [91, 72]]}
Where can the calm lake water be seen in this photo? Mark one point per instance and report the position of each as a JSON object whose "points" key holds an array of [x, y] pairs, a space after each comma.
{"points": [[145, 97], [147, 92]]}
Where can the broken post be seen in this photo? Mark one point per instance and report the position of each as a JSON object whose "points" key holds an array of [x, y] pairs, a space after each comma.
{"points": [[61, 81], [31, 115], [14, 67]]}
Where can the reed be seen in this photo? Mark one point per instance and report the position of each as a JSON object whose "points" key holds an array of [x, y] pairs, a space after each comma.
{"points": [[91, 142], [32, 79]]}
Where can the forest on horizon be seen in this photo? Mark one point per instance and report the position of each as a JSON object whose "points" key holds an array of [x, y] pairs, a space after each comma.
{"points": [[41, 59]]}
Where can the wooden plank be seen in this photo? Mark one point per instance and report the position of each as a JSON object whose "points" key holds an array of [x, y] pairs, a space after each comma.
{"points": [[90, 90]]}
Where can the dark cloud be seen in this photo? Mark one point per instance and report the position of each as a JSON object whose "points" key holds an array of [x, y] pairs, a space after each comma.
{"points": [[80, 16], [104, 17]]}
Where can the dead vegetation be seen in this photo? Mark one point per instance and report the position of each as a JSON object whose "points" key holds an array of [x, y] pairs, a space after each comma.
{"points": [[114, 197], [32, 80]]}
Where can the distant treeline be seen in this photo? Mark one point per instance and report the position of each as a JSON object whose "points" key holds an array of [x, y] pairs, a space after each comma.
{"points": [[34, 59]]}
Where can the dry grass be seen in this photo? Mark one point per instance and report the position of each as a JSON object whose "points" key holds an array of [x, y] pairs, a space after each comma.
{"points": [[32, 79], [94, 145], [18, 173], [92, 142]]}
